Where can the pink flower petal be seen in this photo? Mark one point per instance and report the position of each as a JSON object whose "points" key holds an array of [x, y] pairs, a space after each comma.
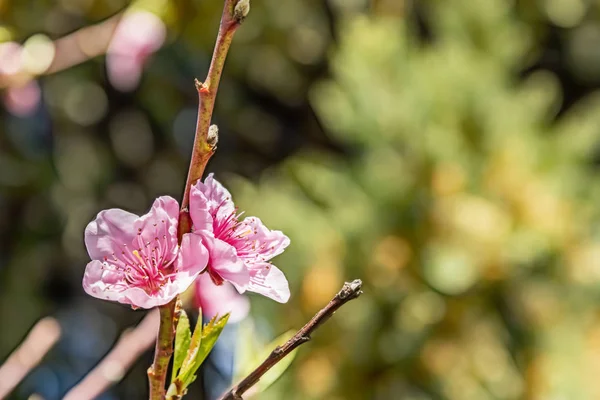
{"points": [[200, 211], [108, 285], [101, 283], [218, 198], [268, 280], [225, 262], [139, 298], [269, 243], [107, 234], [193, 255], [133, 257], [219, 300], [160, 225]]}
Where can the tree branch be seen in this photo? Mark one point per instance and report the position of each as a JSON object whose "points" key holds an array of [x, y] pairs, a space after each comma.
{"points": [[157, 373], [132, 343], [349, 291], [38, 342], [205, 144], [205, 141]]}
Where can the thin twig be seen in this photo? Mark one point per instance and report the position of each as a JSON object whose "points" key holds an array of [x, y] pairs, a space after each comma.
{"points": [[205, 144], [205, 141], [349, 291], [38, 342], [112, 368]]}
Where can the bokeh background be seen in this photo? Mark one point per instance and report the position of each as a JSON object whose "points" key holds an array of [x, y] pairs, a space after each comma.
{"points": [[446, 152]]}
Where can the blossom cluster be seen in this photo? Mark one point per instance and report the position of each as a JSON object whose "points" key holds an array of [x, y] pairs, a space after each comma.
{"points": [[139, 260]]}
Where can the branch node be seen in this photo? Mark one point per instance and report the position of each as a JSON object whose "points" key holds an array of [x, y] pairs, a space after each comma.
{"points": [[213, 137], [201, 87], [236, 396], [241, 10], [304, 339]]}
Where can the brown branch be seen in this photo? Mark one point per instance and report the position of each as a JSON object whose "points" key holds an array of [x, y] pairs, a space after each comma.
{"points": [[38, 342], [349, 291], [205, 141], [157, 373], [205, 144], [131, 344]]}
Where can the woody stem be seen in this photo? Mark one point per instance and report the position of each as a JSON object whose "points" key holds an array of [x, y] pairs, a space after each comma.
{"points": [[205, 141], [157, 373], [205, 144], [350, 291]]}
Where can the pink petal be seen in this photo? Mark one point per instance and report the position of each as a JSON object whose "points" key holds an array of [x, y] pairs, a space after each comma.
{"points": [[107, 234], [270, 243], [138, 298], [224, 260], [193, 256], [199, 210], [268, 280], [219, 300], [219, 198], [102, 284], [107, 285], [160, 224]]}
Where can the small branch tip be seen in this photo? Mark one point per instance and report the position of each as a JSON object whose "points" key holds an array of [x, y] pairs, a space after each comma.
{"points": [[351, 290]]}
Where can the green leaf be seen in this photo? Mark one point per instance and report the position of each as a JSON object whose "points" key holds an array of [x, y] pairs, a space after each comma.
{"points": [[201, 347], [278, 369], [183, 338], [194, 343]]}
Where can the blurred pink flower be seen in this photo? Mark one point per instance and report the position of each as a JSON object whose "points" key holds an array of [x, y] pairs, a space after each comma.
{"points": [[219, 300], [22, 100], [138, 35], [11, 58], [136, 260], [239, 251]]}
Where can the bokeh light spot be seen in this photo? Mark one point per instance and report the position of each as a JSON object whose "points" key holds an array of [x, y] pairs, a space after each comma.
{"points": [[38, 54], [85, 103]]}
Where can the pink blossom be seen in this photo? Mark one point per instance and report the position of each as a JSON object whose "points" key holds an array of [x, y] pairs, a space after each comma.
{"points": [[20, 99], [136, 260], [219, 300], [11, 58], [239, 250], [23, 100], [138, 35]]}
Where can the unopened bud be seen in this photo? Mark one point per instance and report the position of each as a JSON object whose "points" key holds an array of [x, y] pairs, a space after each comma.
{"points": [[241, 10], [213, 137]]}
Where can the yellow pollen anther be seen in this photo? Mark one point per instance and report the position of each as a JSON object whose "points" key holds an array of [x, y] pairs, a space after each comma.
{"points": [[245, 233], [137, 255]]}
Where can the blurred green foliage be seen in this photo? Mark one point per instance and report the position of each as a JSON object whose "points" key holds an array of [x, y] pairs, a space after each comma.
{"points": [[451, 165], [467, 206]]}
